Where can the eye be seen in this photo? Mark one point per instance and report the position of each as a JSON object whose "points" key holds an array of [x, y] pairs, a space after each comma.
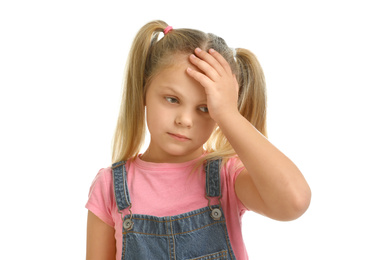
{"points": [[171, 100], [204, 109]]}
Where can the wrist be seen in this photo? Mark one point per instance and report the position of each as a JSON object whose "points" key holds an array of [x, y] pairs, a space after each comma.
{"points": [[228, 118]]}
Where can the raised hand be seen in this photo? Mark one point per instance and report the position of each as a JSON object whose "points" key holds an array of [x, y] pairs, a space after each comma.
{"points": [[220, 84]]}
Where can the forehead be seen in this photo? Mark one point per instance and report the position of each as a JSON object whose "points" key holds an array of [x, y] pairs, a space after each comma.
{"points": [[172, 61], [175, 78], [175, 71]]}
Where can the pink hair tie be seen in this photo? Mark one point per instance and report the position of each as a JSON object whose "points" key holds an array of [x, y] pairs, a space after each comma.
{"points": [[168, 29]]}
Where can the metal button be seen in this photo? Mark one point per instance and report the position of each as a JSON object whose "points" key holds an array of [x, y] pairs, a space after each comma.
{"points": [[128, 224], [216, 214]]}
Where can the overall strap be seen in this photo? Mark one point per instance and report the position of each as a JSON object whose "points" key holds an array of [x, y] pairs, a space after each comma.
{"points": [[213, 183], [119, 175]]}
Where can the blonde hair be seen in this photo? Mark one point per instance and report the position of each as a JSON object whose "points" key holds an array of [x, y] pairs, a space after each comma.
{"points": [[149, 55]]}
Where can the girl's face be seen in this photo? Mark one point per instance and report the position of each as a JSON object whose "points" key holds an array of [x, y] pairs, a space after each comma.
{"points": [[177, 115]]}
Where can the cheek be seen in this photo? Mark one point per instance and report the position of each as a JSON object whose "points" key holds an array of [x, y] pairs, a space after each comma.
{"points": [[156, 115], [208, 127], [211, 126], [152, 121]]}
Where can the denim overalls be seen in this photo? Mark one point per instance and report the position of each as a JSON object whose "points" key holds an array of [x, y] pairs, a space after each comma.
{"points": [[200, 234]]}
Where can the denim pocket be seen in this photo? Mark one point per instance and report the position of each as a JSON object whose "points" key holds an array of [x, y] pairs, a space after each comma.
{"points": [[222, 255]]}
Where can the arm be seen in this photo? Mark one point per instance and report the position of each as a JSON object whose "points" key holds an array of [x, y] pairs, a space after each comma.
{"points": [[270, 184], [101, 244]]}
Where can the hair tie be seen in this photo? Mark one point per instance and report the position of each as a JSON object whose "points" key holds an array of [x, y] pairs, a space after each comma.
{"points": [[168, 29]]}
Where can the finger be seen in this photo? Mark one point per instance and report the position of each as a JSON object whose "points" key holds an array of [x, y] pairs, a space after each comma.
{"points": [[204, 67], [221, 60], [208, 58], [200, 77]]}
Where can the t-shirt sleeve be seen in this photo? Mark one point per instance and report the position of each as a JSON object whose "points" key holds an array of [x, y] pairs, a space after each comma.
{"points": [[100, 199], [234, 167]]}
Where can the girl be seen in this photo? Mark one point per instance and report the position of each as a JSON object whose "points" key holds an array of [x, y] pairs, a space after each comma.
{"points": [[207, 162]]}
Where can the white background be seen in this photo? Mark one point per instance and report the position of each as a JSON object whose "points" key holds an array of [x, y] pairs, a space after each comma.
{"points": [[61, 69]]}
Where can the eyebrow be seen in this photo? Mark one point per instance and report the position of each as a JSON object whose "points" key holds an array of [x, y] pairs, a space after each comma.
{"points": [[178, 94], [168, 88]]}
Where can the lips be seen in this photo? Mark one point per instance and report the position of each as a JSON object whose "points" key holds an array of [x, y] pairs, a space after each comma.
{"points": [[179, 137]]}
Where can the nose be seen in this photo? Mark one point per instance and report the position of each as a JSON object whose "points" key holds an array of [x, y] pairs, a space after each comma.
{"points": [[184, 118]]}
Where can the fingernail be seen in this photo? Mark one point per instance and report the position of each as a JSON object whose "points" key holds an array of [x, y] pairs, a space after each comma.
{"points": [[188, 69], [211, 50], [193, 56], [197, 50]]}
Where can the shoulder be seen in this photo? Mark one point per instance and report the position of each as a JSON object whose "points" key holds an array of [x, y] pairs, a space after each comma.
{"points": [[230, 171], [104, 173], [101, 199], [103, 179], [101, 190], [232, 167]]}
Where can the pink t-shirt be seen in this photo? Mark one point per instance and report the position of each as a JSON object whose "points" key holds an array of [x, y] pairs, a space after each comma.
{"points": [[167, 189]]}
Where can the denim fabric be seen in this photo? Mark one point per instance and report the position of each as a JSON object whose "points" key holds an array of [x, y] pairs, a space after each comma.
{"points": [[213, 186], [120, 185], [188, 236]]}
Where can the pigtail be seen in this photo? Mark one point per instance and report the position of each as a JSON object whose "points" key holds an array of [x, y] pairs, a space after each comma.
{"points": [[252, 89], [131, 127]]}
